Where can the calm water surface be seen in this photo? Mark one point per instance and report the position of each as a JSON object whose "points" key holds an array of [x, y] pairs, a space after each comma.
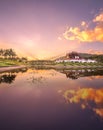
{"points": [[53, 100]]}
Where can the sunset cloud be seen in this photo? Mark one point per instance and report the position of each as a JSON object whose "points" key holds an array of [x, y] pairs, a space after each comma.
{"points": [[98, 18], [59, 38], [85, 33], [92, 51], [83, 23]]}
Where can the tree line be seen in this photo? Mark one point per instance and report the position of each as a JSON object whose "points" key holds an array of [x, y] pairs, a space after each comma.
{"points": [[11, 55], [7, 53]]}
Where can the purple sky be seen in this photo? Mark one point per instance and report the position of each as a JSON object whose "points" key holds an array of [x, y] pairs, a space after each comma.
{"points": [[34, 28]]}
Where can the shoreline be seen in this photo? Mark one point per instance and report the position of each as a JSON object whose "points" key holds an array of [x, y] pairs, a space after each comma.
{"points": [[56, 67], [4, 69]]}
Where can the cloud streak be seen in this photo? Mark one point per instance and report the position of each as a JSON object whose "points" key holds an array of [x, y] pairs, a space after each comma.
{"points": [[92, 51], [85, 33]]}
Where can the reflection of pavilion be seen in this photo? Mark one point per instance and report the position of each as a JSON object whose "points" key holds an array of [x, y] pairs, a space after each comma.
{"points": [[75, 74]]}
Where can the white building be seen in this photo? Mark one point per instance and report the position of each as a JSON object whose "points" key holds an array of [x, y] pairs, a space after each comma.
{"points": [[76, 60]]}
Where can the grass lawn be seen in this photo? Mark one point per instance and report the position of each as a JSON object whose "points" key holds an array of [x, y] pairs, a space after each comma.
{"points": [[79, 64], [5, 62]]}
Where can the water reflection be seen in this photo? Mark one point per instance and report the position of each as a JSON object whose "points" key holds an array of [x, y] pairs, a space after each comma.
{"points": [[33, 100], [9, 77], [34, 79], [22, 70], [87, 98], [75, 74], [40, 76]]}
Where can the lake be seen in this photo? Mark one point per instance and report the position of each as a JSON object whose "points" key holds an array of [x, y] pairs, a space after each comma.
{"points": [[32, 99]]}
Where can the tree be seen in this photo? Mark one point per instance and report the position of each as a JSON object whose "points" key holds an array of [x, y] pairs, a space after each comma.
{"points": [[12, 54], [7, 53], [1, 53], [24, 59]]}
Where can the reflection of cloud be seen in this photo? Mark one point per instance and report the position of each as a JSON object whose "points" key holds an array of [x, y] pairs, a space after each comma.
{"points": [[38, 76], [84, 96], [99, 111], [34, 80], [86, 34]]}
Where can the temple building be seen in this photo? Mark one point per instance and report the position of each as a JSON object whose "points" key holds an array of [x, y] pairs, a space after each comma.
{"points": [[74, 57]]}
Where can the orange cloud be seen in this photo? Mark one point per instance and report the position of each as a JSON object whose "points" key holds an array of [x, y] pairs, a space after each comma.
{"points": [[59, 38], [86, 34], [83, 23], [98, 18], [95, 51]]}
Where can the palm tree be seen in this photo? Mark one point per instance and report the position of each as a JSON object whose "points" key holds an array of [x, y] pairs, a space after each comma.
{"points": [[5, 53], [1, 53], [12, 53]]}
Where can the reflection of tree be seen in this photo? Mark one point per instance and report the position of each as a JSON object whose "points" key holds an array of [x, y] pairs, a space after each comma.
{"points": [[75, 74], [72, 75], [10, 76], [34, 80], [87, 98], [7, 78], [22, 70]]}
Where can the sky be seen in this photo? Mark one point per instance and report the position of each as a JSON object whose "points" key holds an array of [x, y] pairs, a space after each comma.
{"points": [[42, 29]]}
